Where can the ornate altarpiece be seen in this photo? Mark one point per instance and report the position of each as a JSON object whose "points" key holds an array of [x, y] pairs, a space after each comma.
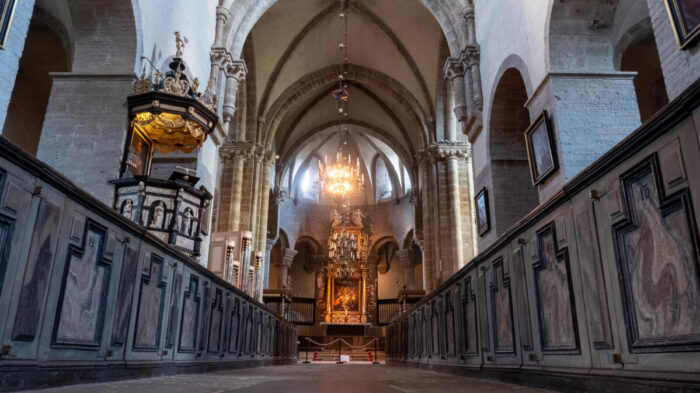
{"points": [[347, 295]]}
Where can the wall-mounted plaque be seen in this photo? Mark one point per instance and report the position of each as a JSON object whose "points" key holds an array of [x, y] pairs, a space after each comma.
{"points": [[685, 18]]}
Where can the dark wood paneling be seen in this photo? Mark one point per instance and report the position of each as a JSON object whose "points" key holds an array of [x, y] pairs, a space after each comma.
{"points": [[127, 283], [554, 295], [502, 310], [657, 254], [189, 322], [171, 330], [471, 347], [82, 303], [217, 314], [149, 312]]}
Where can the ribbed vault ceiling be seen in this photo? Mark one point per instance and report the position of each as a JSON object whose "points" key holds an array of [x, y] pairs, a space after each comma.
{"points": [[395, 49]]}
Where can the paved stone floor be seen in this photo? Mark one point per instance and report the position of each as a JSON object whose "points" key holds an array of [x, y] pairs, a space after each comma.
{"points": [[332, 378]]}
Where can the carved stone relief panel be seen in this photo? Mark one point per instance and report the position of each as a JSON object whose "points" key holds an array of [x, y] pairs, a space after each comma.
{"points": [[217, 314], [657, 255]]}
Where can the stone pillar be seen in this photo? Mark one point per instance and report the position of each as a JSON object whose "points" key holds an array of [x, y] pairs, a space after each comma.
{"points": [[235, 73], [264, 204], [268, 251], [454, 72], [409, 276], [425, 190], [288, 255]]}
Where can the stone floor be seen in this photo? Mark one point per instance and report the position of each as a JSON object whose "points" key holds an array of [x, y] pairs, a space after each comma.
{"points": [[355, 378]]}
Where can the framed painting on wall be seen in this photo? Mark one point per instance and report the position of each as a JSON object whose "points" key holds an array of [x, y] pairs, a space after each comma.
{"points": [[685, 18], [7, 12], [539, 139], [483, 223]]}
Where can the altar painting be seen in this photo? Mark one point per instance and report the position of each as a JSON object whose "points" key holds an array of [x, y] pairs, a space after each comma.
{"points": [[346, 294]]}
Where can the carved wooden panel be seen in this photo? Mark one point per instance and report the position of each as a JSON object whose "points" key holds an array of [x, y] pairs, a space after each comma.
{"points": [[127, 283], [590, 260], [657, 254], [554, 294], [242, 330], [449, 324], [36, 273], [522, 305], [469, 318], [434, 330], [171, 330], [149, 313], [234, 323], [6, 231], [217, 315], [206, 312], [190, 316], [502, 310], [83, 297]]}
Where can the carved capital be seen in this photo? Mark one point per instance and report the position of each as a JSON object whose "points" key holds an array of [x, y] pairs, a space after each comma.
{"points": [[288, 255], [236, 69], [453, 68], [231, 151], [404, 258], [444, 150], [470, 55]]}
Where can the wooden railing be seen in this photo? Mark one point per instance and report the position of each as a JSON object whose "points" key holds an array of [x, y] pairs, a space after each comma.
{"points": [[302, 311], [387, 310], [87, 294], [597, 289]]}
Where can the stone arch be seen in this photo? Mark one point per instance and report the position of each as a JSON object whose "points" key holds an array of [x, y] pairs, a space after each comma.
{"points": [[244, 14], [326, 77], [47, 38], [636, 51], [511, 192]]}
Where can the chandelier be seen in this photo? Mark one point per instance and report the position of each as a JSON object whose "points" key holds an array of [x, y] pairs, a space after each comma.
{"points": [[341, 178], [342, 251]]}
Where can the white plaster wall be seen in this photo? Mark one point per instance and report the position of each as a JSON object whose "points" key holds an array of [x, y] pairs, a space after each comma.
{"points": [[504, 28], [194, 19]]}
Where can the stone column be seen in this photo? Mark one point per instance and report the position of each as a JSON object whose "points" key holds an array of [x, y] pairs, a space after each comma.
{"points": [[287, 258], [235, 73], [268, 251], [426, 244], [454, 72], [264, 198], [409, 276]]}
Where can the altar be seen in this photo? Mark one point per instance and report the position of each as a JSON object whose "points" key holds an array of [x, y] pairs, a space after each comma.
{"points": [[346, 293]]}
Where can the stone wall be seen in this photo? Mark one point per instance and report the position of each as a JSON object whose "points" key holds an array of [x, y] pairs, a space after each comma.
{"points": [[85, 295], [596, 290]]}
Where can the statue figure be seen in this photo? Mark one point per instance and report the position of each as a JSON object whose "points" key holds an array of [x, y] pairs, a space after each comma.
{"points": [[187, 222], [179, 44], [158, 215], [336, 218], [127, 208], [358, 218]]}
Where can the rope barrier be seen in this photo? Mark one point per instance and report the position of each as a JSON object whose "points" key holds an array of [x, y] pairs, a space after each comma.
{"points": [[358, 347], [343, 341], [324, 345]]}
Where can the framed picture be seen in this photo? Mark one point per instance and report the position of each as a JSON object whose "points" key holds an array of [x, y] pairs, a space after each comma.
{"points": [[346, 294], [483, 222], [685, 18], [137, 157], [7, 11], [539, 139]]}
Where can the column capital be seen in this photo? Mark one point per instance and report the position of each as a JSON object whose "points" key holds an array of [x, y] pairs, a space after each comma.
{"points": [[288, 255], [470, 55], [236, 69], [444, 150], [453, 68], [230, 151], [404, 258]]}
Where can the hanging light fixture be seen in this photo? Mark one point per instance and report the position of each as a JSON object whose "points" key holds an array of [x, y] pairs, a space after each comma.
{"points": [[341, 178]]}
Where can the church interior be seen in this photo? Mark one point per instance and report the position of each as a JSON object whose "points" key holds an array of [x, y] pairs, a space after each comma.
{"points": [[350, 195]]}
